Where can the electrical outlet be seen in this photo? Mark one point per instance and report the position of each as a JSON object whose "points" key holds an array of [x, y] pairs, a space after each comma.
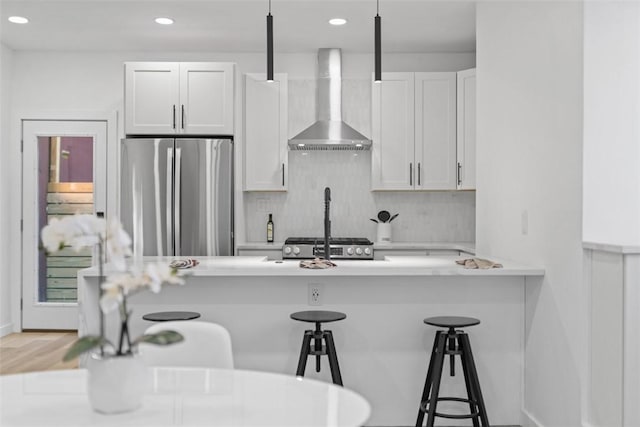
{"points": [[315, 293]]}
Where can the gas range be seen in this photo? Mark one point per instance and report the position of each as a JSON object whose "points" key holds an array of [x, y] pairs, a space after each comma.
{"points": [[341, 248]]}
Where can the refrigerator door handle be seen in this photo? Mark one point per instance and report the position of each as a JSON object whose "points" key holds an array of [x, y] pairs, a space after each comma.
{"points": [[169, 186], [211, 211], [178, 202]]}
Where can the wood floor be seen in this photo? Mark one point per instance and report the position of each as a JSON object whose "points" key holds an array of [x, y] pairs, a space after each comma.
{"points": [[35, 351]]}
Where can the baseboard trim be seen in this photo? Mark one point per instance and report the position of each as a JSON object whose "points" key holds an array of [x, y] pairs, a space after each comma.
{"points": [[6, 329], [530, 420]]}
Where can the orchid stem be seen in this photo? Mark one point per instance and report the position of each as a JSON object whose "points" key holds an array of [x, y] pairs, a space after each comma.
{"points": [[100, 281]]}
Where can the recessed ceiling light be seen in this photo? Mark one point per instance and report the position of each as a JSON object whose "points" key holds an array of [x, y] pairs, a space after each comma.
{"points": [[164, 21], [18, 19], [337, 21]]}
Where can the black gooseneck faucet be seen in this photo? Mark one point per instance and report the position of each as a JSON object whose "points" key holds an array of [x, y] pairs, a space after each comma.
{"points": [[327, 224]]}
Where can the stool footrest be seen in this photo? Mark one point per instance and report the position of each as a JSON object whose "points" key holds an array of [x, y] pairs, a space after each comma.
{"points": [[424, 408]]}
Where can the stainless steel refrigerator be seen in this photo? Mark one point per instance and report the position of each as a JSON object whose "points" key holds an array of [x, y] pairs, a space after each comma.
{"points": [[176, 196]]}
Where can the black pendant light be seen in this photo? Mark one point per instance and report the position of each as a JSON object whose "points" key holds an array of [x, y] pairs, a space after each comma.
{"points": [[269, 45], [378, 44]]}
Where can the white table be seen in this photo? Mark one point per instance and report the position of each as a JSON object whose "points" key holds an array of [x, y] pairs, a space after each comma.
{"points": [[184, 397]]}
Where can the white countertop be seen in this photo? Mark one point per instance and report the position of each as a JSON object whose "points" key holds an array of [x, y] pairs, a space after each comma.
{"points": [[460, 246], [390, 266], [456, 246], [614, 248]]}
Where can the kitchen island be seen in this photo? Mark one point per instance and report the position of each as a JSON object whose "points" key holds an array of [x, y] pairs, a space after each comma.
{"points": [[383, 345]]}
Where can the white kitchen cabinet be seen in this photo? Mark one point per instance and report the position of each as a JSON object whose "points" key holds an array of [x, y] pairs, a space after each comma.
{"points": [[466, 135], [187, 98], [435, 135], [392, 152], [414, 132], [265, 133]]}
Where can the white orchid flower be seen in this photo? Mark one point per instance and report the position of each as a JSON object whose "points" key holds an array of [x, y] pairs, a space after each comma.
{"points": [[111, 297], [118, 244], [53, 236], [83, 230], [159, 273]]}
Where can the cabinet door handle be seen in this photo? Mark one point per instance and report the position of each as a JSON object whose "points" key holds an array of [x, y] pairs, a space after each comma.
{"points": [[410, 173], [459, 167], [182, 118], [283, 174], [418, 173], [174, 116]]}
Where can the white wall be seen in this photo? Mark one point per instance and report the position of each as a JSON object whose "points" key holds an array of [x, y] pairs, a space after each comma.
{"points": [[612, 122], [529, 185], [5, 161]]}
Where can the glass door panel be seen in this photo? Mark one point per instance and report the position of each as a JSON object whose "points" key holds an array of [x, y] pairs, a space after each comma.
{"points": [[65, 187]]}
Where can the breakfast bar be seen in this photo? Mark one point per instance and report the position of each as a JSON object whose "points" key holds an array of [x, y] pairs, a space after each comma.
{"points": [[383, 345]]}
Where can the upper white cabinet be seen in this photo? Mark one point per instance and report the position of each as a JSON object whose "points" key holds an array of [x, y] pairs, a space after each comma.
{"points": [[265, 133], [435, 124], [466, 178], [392, 151], [414, 132], [190, 98]]}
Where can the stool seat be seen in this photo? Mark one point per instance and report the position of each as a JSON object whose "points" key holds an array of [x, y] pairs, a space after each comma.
{"points": [[165, 316], [318, 316], [451, 321]]}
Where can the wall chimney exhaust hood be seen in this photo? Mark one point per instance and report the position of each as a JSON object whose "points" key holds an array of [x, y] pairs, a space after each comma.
{"points": [[329, 132]]}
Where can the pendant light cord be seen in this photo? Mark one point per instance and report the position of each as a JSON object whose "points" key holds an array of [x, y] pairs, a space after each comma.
{"points": [[269, 7], [377, 7]]}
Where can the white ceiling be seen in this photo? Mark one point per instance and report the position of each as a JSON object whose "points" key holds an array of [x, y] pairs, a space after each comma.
{"points": [[238, 25]]}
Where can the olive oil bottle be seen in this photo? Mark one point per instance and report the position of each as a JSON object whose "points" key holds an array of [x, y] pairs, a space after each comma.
{"points": [[270, 229]]}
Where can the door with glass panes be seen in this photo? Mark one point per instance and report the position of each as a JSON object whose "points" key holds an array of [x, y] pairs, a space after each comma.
{"points": [[64, 173]]}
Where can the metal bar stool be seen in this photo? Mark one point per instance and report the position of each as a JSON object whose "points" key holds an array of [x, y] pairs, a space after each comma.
{"points": [[317, 335], [453, 343]]}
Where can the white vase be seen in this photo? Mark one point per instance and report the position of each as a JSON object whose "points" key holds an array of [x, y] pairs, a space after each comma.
{"points": [[384, 233], [116, 383]]}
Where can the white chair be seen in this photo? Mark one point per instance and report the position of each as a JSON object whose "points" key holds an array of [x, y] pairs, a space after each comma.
{"points": [[205, 344]]}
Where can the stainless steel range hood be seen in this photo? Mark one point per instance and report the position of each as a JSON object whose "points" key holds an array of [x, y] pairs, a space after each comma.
{"points": [[329, 132]]}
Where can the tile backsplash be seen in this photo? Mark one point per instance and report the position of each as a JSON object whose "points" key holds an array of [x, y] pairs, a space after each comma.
{"points": [[443, 216]]}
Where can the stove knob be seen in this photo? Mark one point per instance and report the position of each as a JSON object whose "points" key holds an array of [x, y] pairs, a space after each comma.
{"points": [[358, 251], [287, 250], [296, 250], [349, 251], [367, 251]]}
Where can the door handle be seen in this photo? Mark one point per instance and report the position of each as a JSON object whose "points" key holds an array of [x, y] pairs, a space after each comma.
{"points": [[177, 202], [418, 173], [459, 174], [168, 203], [283, 174], [182, 116], [411, 174], [174, 116]]}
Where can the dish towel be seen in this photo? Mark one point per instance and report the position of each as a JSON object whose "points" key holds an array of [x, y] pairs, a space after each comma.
{"points": [[184, 263], [480, 263], [317, 263]]}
